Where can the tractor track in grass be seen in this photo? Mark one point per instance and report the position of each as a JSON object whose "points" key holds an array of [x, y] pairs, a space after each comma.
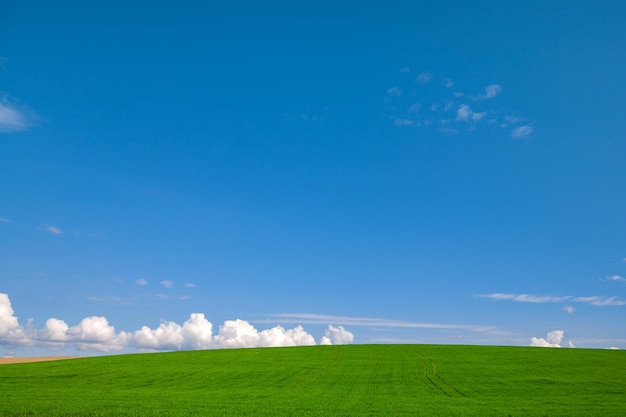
{"points": [[438, 382]]}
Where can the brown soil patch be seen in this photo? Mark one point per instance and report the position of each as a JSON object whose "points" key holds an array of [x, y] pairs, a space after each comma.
{"points": [[35, 359]]}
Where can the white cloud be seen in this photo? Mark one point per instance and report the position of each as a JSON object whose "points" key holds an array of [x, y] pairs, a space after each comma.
{"points": [[491, 91], [595, 300], [423, 78], [337, 336], [616, 278], [9, 327], [307, 318], [403, 122], [446, 103], [96, 334], [553, 339], [600, 301], [190, 285], [521, 132], [465, 114], [569, 309], [526, 298], [54, 230], [142, 282], [394, 92], [167, 283], [13, 119]]}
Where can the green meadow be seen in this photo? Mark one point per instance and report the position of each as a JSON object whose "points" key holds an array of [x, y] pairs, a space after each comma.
{"points": [[350, 380]]}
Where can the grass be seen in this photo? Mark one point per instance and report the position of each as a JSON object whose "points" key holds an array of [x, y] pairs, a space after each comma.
{"points": [[352, 380]]}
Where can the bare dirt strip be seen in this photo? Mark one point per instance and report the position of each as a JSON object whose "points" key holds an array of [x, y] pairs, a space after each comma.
{"points": [[4, 361]]}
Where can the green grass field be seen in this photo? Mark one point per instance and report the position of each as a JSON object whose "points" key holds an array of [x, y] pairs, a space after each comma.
{"points": [[351, 380]]}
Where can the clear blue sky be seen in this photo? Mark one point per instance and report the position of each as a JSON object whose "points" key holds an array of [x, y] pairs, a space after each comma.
{"points": [[444, 173]]}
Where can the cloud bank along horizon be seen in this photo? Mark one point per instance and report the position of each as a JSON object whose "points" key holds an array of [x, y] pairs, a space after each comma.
{"points": [[95, 333]]}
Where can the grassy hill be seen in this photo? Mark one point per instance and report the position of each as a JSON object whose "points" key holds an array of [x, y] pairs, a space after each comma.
{"points": [[351, 380]]}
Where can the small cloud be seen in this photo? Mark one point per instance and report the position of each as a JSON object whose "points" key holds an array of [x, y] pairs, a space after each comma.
{"points": [[613, 348], [521, 132], [415, 108], [167, 283], [13, 119], [394, 92], [616, 278], [447, 82], [553, 339], [54, 230], [513, 119], [465, 114], [404, 70], [142, 282], [491, 91], [569, 309], [403, 122], [423, 78], [190, 285]]}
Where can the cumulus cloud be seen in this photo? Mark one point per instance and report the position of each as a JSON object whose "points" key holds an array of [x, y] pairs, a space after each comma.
{"points": [[142, 282], [337, 336], [97, 334], [553, 339], [167, 283], [569, 309]]}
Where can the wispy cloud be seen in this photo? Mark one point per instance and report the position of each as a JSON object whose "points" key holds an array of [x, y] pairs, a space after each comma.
{"points": [[3, 220], [53, 229], [521, 132], [423, 77], [190, 285], [530, 298], [142, 282], [449, 110], [490, 92], [13, 118], [465, 114], [394, 92], [569, 309], [167, 283], [615, 278], [308, 318]]}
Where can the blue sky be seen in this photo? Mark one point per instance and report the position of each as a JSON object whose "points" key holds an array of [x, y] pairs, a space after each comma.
{"points": [[241, 175]]}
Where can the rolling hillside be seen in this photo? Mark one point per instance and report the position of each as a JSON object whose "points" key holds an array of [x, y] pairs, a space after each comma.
{"points": [[351, 380]]}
